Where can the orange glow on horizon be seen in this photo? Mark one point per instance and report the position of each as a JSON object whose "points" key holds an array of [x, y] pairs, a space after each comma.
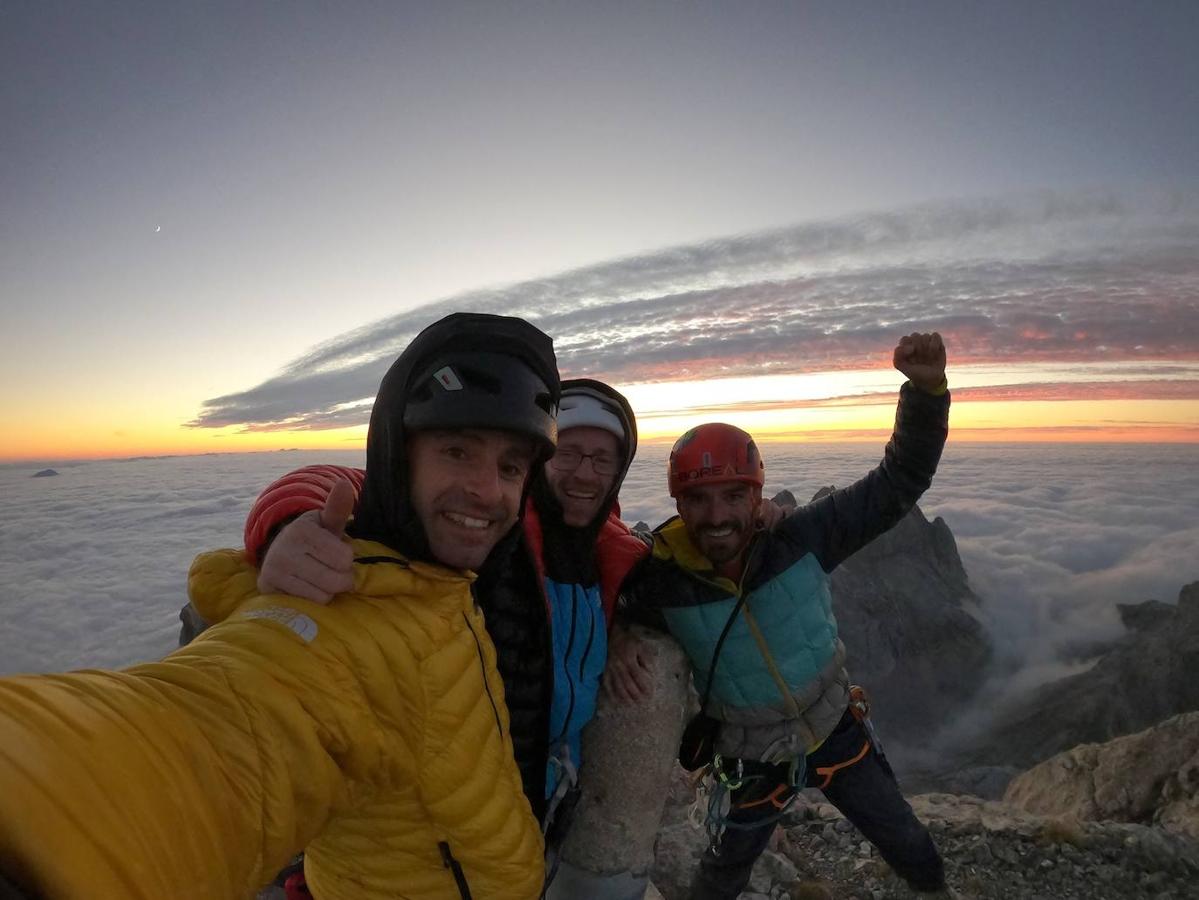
{"points": [[1099, 420], [1016, 435], [65, 445], [1029, 404]]}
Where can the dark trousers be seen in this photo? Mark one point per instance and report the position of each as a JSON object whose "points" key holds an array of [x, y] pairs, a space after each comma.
{"points": [[865, 792]]}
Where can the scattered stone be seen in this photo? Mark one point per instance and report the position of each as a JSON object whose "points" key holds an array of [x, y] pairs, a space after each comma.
{"points": [[992, 851], [772, 868]]}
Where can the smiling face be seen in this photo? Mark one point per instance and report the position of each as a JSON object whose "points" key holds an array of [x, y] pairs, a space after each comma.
{"points": [[582, 491], [466, 487], [719, 519]]}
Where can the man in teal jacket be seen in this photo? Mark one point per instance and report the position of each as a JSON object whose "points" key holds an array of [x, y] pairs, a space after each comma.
{"points": [[753, 611]]}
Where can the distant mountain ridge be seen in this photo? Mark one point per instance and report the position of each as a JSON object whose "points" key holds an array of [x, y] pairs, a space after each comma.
{"points": [[1148, 676], [908, 619]]}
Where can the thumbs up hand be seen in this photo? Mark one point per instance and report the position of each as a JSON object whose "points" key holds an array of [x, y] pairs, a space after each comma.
{"points": [[339, 506], [310, 557]]}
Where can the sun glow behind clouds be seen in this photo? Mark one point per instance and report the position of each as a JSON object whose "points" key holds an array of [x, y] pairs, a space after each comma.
{"points": [[1151, 402], [1037, 401], [55, 441]]}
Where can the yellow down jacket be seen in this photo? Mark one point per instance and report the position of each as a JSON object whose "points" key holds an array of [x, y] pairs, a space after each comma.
{"points": [[371, 732]]}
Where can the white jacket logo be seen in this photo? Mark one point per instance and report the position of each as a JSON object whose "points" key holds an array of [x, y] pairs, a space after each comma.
{"points": [[297, 622]]}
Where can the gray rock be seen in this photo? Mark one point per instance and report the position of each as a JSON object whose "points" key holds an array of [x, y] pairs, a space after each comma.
{"points": [[630, 749], [193, 625], [771, 869], [44, 473], [1152, 776], [988, 782], [1144, 616], [786, 501], [906, 614], [1147, 678]]}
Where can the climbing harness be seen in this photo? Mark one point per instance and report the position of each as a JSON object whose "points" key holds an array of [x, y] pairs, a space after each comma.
{"points": [[859, 708], [559, 810], [722, 781], [568, 779], [714, 789]]}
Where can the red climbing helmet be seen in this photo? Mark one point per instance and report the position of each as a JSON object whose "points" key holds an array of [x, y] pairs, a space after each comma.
{"points": [[715, 453]]}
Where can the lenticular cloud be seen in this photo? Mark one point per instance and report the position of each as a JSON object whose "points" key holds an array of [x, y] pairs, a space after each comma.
{"points": [[1050, 277]]}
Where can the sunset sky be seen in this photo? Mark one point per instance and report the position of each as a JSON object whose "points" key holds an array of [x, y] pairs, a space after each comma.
{"points": [[220, 224]]}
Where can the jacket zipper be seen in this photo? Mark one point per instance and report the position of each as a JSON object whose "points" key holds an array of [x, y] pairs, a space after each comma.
{"points": [[750, 558], [483, 666], [570, 682], [447, 859], [590, 641]]}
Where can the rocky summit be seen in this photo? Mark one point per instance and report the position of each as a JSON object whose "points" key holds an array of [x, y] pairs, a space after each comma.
{"points": [[1116, 818], [992, 851]]}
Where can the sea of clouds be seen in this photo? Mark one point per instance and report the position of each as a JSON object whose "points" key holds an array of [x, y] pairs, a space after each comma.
{"points": [[93, 562]]}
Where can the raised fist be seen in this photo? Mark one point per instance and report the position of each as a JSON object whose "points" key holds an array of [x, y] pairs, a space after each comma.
{"points": [[921, 357]]}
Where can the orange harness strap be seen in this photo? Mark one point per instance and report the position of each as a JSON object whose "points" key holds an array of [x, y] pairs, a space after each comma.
{"points": [[772, 798], [829, 771]]}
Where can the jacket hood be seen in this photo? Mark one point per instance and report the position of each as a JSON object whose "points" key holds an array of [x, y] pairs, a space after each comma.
{"points": [[384, 512], [566, 546]]}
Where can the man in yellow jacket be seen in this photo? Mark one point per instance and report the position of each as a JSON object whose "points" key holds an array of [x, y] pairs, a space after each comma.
{"points": [[371, 732]]}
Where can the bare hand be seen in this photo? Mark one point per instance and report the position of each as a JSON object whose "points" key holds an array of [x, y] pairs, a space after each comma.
{"points": [[921, 357], [627, 679], [310, 558]]}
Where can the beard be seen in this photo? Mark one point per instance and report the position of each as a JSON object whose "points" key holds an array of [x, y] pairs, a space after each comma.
{"points": [[725, 544]]}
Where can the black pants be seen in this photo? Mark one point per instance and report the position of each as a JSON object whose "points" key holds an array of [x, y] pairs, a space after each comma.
{"points": [[865, 792]]}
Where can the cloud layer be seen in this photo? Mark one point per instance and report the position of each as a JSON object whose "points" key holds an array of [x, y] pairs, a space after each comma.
{"points": [[93, 563], [1044, 278]]}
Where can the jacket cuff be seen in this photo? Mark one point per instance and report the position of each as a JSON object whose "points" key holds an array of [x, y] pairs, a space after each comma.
{"points": [[939, 390]]}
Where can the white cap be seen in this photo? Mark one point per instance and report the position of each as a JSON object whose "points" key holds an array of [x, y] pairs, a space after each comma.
{"points": [[582, 407]]}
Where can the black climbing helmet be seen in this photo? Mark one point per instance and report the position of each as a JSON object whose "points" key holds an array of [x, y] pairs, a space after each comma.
{"points": [[479, 389]]}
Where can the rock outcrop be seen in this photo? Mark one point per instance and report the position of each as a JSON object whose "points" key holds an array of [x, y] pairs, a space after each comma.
{"points": [[191, 624], [628, 752], [1148, 778], [44, 473], [905, 612], [1152, 674]]}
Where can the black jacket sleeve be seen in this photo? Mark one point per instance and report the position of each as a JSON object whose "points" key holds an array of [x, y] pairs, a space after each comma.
{"points": [[842, 522], [635, 604]]}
